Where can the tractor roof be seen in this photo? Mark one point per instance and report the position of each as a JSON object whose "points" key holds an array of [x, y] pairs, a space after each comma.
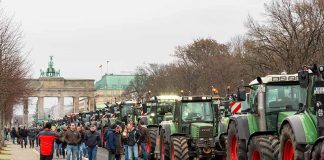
{"points": [[277, 78], [166, 97]]}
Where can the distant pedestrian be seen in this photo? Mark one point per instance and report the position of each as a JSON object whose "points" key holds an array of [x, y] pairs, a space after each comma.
{"points": [[23, 132], [13, 135], [72, 138], [125, 141], [133, 139], [37, 132], [92, 139], [118, 143], [143, 138], [47, 138], [6, 133], [83, 148], [31, 137], [58, 145], [111, 142], [64, 144]]}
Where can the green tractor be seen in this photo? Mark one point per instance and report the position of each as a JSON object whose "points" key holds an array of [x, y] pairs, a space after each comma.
{"points": [[302, 134], [252, 134], [189, 134], [156, 110]]}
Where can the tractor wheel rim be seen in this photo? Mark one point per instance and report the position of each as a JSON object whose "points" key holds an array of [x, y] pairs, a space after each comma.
{"points": [[256, 155], [288, 152], [233, 148], [148, 146]]}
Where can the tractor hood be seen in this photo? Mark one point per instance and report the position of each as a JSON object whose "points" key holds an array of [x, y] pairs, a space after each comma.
{"points": [[201, 130]]}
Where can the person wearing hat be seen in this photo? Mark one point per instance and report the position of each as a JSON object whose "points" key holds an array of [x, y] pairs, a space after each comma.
{"points": [[92, 139], [111, 141], [46, 138]]}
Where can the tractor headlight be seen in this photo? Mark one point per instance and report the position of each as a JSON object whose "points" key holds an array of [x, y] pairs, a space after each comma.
{"points": [[152, 114], [320, 112], [318, 104]]}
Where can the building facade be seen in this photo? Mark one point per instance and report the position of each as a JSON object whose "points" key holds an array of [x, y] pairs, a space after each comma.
{"points": [[110, 88]]}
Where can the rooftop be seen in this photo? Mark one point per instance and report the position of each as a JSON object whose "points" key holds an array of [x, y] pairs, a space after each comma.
{"points": [[114, 82]]}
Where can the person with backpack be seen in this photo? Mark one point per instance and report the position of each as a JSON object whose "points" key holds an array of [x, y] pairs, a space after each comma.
{"points": [[31, 137], [111, 142], [23, 132], [133, 139]]}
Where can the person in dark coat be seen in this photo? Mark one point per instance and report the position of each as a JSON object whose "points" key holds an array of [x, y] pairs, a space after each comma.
{"points": [[133, 139], [13, 135], [23, 137], [118, 143], [111, 142], [143, 138], [31, 137], [91, 140]]}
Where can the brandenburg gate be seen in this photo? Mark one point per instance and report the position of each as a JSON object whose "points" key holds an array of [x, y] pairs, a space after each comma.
{"points": [[50, 84]]}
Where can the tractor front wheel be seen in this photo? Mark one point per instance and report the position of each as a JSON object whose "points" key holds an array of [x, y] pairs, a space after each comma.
{"points": [[316, 153], [150, 146], [179, 148], [236, 149], [261, 148], [289, 149]]}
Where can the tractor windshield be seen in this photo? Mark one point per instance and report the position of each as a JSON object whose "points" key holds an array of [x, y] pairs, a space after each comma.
{"points": [[284, 97], [197, 111], [126, 110]]}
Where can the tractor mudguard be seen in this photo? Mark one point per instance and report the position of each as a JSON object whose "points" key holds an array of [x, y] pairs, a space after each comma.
{"points": [[242, 125], [297, 126], [258, 133]]}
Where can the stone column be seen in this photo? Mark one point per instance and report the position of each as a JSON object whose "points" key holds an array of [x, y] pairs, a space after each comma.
{"points": [[91, 103], [61, 106], [76, 104], [40, 107], [25, 110]]}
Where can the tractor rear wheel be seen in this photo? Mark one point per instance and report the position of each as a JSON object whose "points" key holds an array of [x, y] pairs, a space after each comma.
{"points": [[179, 148], [316, 153], [150, 146], [261, 147], [236, 149], [289, 149]]}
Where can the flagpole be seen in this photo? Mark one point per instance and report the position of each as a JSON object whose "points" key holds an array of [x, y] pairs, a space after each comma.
{"points": [[107, 67]]}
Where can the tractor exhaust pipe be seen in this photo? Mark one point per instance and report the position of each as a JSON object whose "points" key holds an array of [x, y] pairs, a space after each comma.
{"points": [[261, 109]]}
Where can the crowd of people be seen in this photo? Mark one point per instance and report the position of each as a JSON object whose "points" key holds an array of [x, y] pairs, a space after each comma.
{"points": [[75, 142]]}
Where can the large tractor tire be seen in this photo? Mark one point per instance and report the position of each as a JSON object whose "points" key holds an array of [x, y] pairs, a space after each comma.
{"points": [[165, 148], [150, 146], [236, 149], [289, 149], [263, 148], [316, 153], [179, 148]]}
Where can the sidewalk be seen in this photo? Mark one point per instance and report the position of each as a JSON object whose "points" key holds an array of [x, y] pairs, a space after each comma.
{"points": [[15, 152]]}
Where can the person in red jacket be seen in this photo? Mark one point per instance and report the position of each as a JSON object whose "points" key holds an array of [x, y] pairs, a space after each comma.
{"points": [[46, 142]]}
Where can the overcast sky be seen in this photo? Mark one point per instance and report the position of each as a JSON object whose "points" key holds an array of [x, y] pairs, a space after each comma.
{"points": [[81, 35]]}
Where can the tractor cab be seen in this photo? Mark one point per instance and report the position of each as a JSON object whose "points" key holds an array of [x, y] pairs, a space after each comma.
{"points": [[127, 111], [273, 98], [194, 117], [158, 109]]}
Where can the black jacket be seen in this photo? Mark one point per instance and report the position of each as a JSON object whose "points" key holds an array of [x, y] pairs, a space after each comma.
{"points": [[23, 133], [91, 138], [133, 137]]}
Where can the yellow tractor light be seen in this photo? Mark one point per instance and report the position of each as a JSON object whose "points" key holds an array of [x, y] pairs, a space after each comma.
{"points": [[207, 150]]}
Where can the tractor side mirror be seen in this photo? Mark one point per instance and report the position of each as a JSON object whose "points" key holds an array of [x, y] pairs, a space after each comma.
{"points": [[303, 78], [241, 94]]}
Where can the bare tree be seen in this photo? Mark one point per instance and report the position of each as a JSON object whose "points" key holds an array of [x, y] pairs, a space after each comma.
{"points": [[13, 69], [291, 36]]}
